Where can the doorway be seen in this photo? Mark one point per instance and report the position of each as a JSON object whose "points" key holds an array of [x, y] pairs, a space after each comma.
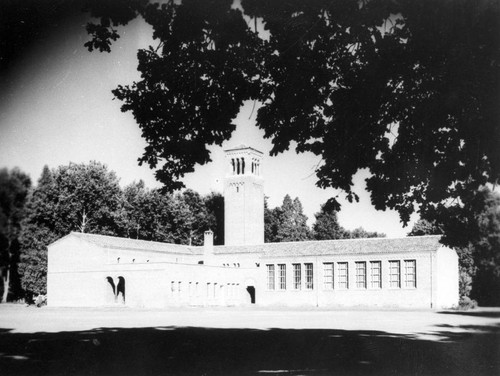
{"points": [[251, 292]]}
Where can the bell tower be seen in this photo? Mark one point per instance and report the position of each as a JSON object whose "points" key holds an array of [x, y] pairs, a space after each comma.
{"points": [[243, 197]]}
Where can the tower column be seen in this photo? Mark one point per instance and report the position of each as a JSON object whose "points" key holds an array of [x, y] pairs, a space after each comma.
{"points": [[244, 198]]}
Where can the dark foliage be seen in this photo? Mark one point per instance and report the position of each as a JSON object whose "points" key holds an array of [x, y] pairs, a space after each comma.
{"points": [[360, 232], [369, 84], [77, 197], [327, 226], [87, 198], [14, 188], [425, 227], [286, 223], [479, 259], [363, 85]]}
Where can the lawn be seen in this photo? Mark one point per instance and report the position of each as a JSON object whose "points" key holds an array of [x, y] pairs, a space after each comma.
{"points": [[247, 341]]}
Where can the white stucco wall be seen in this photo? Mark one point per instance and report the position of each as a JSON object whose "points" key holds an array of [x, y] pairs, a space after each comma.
{"points": [[419, 296], [71, 273], [79, 273], [446, 277]]}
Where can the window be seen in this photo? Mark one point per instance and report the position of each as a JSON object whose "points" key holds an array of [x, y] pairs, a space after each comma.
{"points": [[281, 276], [375, 274], [297, 276], [343, 275], [309, 276], [394, 274], [328, 276], [361, 275], [410, 273], [270, 277]]}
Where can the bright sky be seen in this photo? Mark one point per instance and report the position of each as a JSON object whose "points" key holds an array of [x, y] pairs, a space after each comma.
{"points": [[58, 108]]}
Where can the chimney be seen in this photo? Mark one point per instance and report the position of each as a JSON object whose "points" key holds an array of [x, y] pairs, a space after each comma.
{"points": [[208, 246]]}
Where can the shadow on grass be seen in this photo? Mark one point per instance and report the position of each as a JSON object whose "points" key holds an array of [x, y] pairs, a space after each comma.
{"points": [[207, 351], [490, 313]]}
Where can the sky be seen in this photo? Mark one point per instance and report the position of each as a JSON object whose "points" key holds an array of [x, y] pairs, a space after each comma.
{"points": [[56, 107]]}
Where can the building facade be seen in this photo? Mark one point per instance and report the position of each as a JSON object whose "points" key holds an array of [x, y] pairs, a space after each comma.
{"points": [[243, 197], [95, 270]]}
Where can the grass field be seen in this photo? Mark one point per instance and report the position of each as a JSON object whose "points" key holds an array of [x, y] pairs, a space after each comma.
{"points": [[247, 341]]}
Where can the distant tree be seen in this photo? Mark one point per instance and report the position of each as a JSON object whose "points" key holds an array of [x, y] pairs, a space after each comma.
{"points": [[486, 250], [425, 227], [199, 219], [214, 203], [286, 223], [129, 213], [360, 232], [327, 225], [270, 222], [181, 218], [77, 197], [14, 188], [145, 214]]}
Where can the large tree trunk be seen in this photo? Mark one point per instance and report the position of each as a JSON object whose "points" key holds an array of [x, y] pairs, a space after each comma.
{"points": [[6, 284]]}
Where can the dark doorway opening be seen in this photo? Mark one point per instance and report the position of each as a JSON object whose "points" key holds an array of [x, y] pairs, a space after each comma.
{"points": [[110, 294], [120, 289], [251, 292]]}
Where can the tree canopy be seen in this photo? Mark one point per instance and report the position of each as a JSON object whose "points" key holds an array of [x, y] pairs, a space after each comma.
{"points": [[286, 223], [88, 198], [77, 197], [14, 188], [479, 257], [407, 89], [327, 225]]}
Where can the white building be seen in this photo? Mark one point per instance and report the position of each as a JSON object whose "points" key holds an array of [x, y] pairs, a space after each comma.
{"points": [[96, 270]]}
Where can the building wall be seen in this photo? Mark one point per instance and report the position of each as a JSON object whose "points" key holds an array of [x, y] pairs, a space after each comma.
{"points": [[243, 197], [71, 277], [84, 275], [446, 276], [406, 294], [244, 210], [128, 256]]}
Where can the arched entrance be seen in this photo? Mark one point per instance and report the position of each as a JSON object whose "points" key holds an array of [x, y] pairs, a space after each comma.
{"points": [[110, 291], [250, 287], [120, 290], [251, 292]]}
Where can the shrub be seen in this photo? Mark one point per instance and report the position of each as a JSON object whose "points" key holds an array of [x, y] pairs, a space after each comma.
{"points": [[466, 303]]}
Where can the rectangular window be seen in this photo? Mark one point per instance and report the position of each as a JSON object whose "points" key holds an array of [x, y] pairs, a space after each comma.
{"points": [[361, 275], [309, 276], [297, 276], [410, 273], [343, 275], [375, 274], [270, 277], [281, 276], [328, 275], [394, 274]]}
